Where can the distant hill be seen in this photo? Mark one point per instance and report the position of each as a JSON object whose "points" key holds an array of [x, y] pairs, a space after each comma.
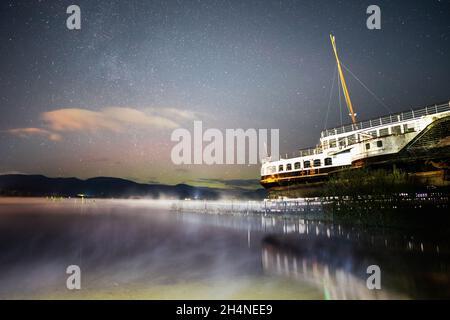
{"points": [[105, 187]]}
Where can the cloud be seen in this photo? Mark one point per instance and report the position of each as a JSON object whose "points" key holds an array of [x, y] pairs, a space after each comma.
{"points": [[78, 120], [114, 119], [179, 114], [29, 132]]}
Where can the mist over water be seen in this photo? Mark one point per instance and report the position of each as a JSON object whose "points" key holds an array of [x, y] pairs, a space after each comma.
{"points": [[142, 249]]}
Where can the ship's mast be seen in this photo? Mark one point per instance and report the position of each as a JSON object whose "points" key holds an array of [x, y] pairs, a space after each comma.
{"points": [[344, 85]]}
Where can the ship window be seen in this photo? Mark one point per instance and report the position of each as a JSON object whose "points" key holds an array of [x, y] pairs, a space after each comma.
{"points": [[288, 167], [297, 165], [372, 133], [317, 163], [351, 139], [384, 132], [280, 168], [408, 128], [367, 146], [332, 143], [270, 169], [328, 162], [379, 143], [306, 164], [396, 130], [341, 142], [325, 144]]}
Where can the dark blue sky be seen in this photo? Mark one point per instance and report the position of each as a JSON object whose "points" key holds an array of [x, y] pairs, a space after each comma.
{"points": [[137, 69]]}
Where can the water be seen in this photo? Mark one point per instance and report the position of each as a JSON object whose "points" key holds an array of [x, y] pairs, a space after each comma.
{"points": [[129, 249]]}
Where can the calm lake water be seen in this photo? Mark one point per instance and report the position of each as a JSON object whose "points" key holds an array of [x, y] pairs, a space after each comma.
{"points": [[130, 249]]}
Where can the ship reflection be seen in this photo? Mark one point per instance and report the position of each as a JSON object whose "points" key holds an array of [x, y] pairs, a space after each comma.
{"points": [[338, 268], [414, 262]]}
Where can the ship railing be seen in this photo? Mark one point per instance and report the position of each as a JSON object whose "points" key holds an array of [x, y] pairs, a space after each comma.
{"points": [[309, 151], [393, 118]]}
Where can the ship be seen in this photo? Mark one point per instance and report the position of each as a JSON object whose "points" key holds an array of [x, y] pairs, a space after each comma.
{"points": [[416, 141]]}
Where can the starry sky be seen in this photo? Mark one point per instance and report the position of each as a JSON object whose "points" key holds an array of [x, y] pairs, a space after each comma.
{"points": [[103, 100]]}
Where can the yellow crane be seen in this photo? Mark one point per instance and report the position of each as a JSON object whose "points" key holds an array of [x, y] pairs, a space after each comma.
{"points": [[348, 101]]}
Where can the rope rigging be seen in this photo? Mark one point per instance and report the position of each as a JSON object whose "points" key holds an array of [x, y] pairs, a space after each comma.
{"points": [[342, 83], [329, 99], [365, 87]]}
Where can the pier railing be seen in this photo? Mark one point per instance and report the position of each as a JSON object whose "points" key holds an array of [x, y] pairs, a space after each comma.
{"points": [[310, 151], [393, 118], [320, 208], [250, 207]]}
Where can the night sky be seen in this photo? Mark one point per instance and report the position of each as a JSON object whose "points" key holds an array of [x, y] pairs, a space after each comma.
{"points": [[103, 100]]}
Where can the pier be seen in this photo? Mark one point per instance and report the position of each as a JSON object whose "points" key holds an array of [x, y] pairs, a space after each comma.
{"points": [[239, 207], [400, 210]]}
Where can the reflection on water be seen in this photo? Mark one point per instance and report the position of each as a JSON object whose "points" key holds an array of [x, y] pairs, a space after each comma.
{"points": [[140, 249], [337, 283]]}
